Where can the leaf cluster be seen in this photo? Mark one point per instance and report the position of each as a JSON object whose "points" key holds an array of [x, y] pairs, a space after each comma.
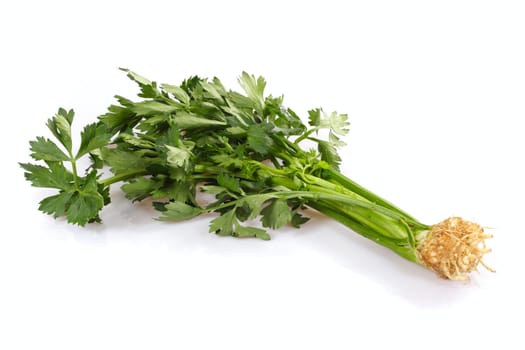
{"points": [[178, 141], [79, 198]]}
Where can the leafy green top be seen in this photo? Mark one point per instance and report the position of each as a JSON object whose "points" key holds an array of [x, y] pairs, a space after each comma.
{"points": [[178, 141]]}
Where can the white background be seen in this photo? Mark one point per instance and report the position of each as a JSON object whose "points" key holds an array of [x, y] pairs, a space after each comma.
{"points": [[435, 93]]}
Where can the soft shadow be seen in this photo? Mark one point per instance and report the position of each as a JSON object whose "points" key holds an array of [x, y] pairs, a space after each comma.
{"points": [[134, 223], [382, 266]]}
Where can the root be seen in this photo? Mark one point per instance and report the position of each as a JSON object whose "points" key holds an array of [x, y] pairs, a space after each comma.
{"points": [[454, 248]]}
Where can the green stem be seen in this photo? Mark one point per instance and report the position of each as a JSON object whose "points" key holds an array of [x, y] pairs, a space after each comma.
{"points": [[382, 220], [330, 191], [305, 135], [384, 225], [401, 247], [122, 177], [336, 177], [75, 173], [315, 195]]}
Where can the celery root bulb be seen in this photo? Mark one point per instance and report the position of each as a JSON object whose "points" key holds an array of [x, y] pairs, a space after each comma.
{"points": [[453, 248]]}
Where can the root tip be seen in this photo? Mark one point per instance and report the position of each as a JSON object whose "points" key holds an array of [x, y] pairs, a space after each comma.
{"points": [[453, 248]]}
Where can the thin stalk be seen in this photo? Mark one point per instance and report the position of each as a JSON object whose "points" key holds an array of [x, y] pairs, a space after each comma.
{"points": [[325, 190], [336, 177], [313, 195], [305, 135], [401, 247], [122, 177], [387, 226], [73, 161], [75, 173]]}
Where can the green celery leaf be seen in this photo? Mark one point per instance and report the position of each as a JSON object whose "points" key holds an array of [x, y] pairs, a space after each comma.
{"points": [[187, 121], [45, 149], [276, 214], [120, 118], [86, 203], [155, 125], [84, 208], [178, 190], [93, 136], [238, 102], [228, 225], [286, 121], [243, 211], [337, 123], [56, 205], [152, 108], [335, 141], [314, 117], [60, 126], [256, 203], [55, 175], [208, 111], [254, 89], [212, 189], [247, 231], [147, 87], [298, 220], [104, 191], [140, 142], [178, 92], [121, 161], [96, 160], [223, 225], [80, 205], [217, 84], [236, 131], [213, 92], [230, 183], [178, 211], [227, 161], [191, 83], [178, 157], [140, 188], [258, 138], [329, 153], [136, 77], [89, 183]]}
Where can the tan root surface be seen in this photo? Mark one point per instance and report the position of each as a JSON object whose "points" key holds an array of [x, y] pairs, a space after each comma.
{"points": [[454, 248]]}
